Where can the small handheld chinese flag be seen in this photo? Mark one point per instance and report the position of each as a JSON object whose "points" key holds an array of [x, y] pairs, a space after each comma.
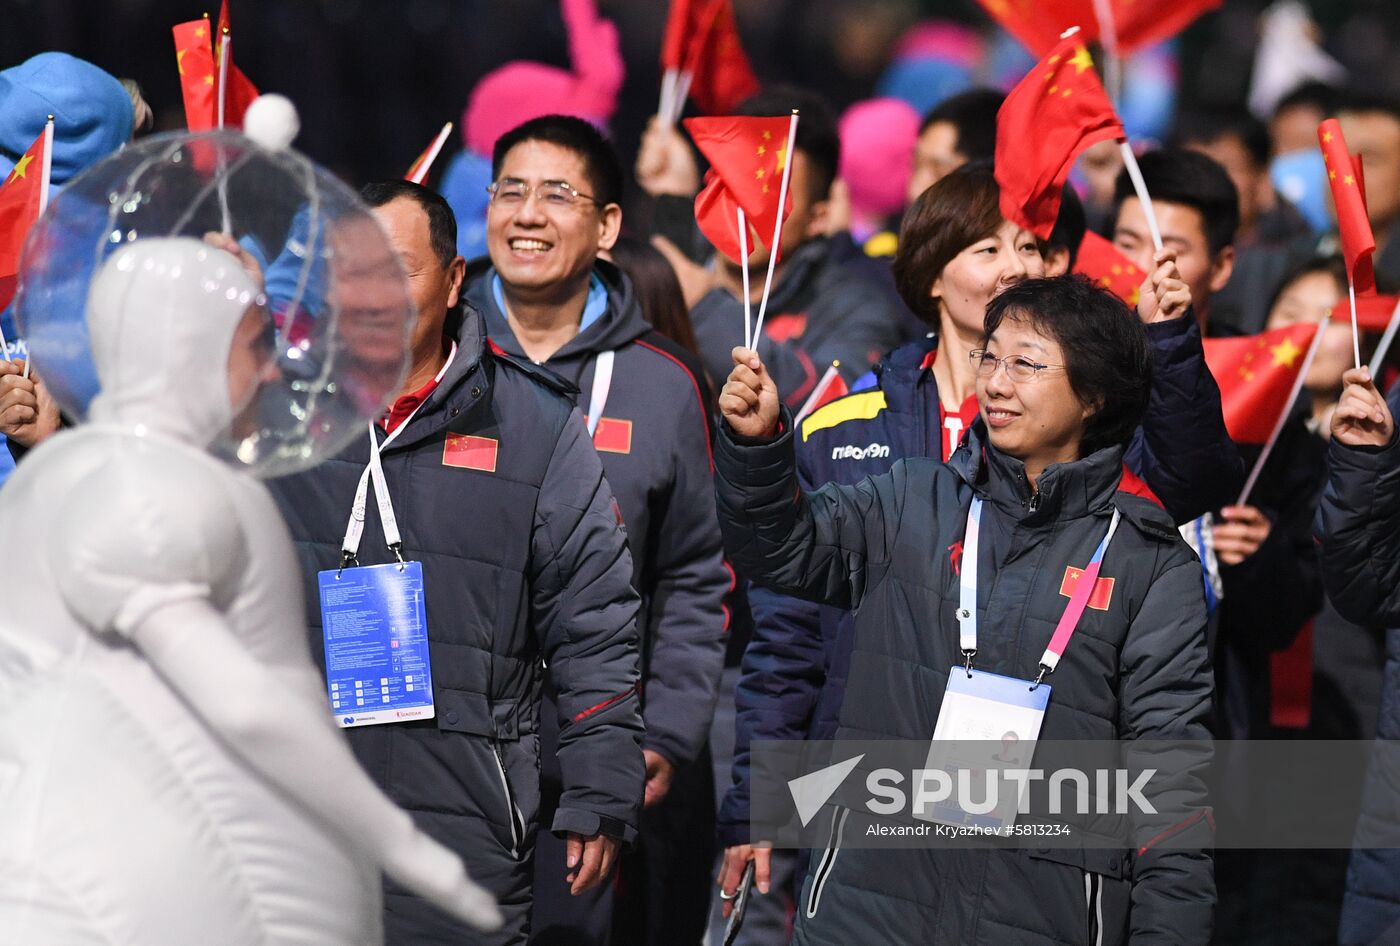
{"points": [[418, 170], [22, 199], [236, 92], [194, 57], [1257, 375], [1136, 23], [204, 83], [747, 157], [1106, 267], [702, 41], [829, 388], [1344, 177], [1052, 115]]}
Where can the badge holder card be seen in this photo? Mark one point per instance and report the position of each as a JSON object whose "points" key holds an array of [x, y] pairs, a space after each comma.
{"points": [[374, 621], [989, 723]]}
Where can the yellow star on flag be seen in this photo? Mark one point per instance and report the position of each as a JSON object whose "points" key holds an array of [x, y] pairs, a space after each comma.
{"points": [[1349, 181], [1331, 175], [199, 32], [782, 158], [1285, 353], [758, 175], [1327, 137], [209, 80], [19, 168], [767, 136], [1074, 574], [1081, 60], [762, 151], [180, 60]]}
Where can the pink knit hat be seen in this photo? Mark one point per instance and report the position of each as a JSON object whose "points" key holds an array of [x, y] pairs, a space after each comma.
{"points": [[877, 154], [521, 90]]}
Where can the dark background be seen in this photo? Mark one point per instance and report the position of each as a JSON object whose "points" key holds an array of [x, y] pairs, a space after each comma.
{"points": [[375, 79]]}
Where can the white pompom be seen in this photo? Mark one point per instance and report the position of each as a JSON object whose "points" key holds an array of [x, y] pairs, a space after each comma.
{"points": [[272, 121]]}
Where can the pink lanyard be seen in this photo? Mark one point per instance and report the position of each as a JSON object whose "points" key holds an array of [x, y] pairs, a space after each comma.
{"points": [[967, 594]]}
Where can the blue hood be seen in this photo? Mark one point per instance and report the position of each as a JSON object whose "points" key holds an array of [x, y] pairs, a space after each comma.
{"points": [[92, 113]]}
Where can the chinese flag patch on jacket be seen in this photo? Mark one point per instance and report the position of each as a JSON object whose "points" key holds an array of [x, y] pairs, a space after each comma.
{"points": [[470, 453], [1103, 588]]}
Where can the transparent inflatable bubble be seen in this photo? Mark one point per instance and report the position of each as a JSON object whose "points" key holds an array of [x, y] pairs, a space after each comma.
{"points": [[205, 288]]}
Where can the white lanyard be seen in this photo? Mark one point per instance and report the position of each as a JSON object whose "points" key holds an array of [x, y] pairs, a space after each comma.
{"points": [[354, 531], [602, 382], [967, 593]]}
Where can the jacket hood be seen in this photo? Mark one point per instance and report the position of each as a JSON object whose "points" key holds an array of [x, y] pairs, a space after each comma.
{"points": [[93, 115], [622, 322], [161, 315], [1083, 487]]}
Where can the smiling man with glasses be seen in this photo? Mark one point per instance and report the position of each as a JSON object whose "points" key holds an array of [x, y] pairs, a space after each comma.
{"points": [[546, 295]]}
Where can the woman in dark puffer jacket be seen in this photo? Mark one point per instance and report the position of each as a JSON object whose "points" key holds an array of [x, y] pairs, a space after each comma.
{"points": [[1062, 382]]}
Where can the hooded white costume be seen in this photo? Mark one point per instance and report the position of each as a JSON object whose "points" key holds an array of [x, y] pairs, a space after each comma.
{"points": [[169, 770]]}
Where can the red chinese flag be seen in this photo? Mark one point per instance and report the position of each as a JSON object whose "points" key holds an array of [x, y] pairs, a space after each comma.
{"points": [[1106, 267], [1344, 177], [21, 196], [1137, 23], [1373, 312], [746, 156], [199, 75], [1256, 375], [682, 24], [1056, 111], [721, 77], [829, 388], [240, 92]]}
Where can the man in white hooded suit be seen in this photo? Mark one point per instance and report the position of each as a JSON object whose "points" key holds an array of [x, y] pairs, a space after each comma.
{"points": [[169, 772]]}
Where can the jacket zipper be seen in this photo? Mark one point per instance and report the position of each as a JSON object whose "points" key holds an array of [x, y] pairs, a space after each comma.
{"points": [[828, 861], [1093, 907], [513, 816]]}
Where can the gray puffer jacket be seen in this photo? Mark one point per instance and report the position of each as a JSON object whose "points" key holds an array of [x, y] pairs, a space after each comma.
{"points": [[890, 548]]}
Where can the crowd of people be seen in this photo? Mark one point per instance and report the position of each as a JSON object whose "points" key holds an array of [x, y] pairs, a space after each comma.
{"points": [[624, 595]]}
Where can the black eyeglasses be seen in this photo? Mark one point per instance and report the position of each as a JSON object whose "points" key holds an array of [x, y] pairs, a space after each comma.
{"points": [[509, 192], [1018, 368]]}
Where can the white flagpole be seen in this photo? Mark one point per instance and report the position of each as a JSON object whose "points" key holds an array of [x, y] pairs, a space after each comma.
{"points": [[681, 94], [421, 174], [744, 268], [668, 90], [45, 176], [219, 94], [222, 91], [1140, 187], [811, 402], [777, 227], [1391, 328], [1282, 417], [1355, 335], [1108, 36]]}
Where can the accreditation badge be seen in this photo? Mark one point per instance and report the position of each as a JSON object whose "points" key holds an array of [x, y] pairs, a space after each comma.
{"points": [[988, 724], [375, 629]]}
